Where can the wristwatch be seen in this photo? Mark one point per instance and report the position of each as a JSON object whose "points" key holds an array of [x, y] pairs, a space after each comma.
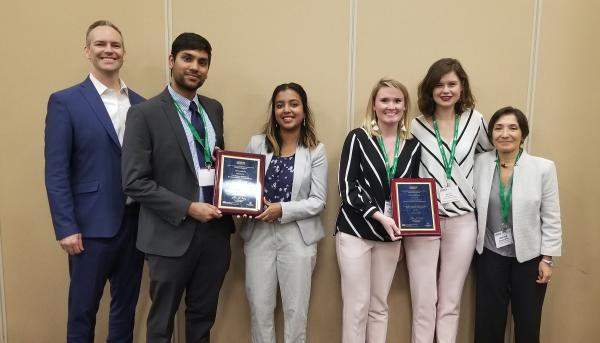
{"points": [[548, 262]]}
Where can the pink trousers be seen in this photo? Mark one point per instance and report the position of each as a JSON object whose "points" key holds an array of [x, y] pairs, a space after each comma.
{"points": [[367, 270], [435, 295]]}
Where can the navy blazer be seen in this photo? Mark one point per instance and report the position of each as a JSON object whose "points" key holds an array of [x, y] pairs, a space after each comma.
{"points": [[83, 163]]}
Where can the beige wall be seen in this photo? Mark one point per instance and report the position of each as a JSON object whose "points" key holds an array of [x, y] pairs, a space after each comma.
{"points": [[564, 130], [258, 45]]}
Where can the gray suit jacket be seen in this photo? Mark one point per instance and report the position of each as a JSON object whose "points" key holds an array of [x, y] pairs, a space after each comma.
{"points": [[535, 206], [309, 191], [158, 172]]}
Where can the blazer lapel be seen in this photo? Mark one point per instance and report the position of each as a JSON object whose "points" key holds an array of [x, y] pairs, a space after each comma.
{"points": [[300, 168], [517, 179], [93, 99], [488, 176], [168, 108]]}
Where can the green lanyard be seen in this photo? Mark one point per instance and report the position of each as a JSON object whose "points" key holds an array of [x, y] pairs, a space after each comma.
{"points": [[390, 170], [505, 198], [447, 162], [203, 142]]}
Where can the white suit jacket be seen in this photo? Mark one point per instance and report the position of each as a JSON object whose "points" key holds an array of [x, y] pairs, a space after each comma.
{"points": [[535, 206], [309, 191]]}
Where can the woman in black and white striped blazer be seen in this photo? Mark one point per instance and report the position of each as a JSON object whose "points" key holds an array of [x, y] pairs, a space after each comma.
{"points": [[450, 131], [367, 239]]}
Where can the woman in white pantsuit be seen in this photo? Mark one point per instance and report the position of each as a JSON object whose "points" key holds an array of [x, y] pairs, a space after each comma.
{"points": [[519, 231], [280, 244]]}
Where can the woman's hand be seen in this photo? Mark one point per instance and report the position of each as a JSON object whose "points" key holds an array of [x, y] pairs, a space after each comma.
{"points": [[544, 272], [271, 213], [389, 225]]}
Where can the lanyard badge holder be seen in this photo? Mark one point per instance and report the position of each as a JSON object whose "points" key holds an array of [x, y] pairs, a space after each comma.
{"points": [[206, 176], [504, 237], [448, 193], [390, 169]]}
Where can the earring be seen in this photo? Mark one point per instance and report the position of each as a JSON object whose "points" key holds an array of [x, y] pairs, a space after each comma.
{"points": [[304, 122], [374, 125]]}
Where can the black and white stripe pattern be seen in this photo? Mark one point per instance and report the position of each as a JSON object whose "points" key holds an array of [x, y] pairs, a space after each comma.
{"points": [[363, 183], [472, 138]]}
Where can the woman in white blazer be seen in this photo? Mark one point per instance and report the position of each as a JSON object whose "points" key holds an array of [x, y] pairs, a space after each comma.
{"points": [[519, 231], [280, 244]]}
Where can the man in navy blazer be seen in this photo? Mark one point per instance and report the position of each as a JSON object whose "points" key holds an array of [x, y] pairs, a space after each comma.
{"points": [[93, 220]]}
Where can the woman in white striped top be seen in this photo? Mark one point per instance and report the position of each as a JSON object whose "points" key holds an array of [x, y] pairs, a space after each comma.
{"points": [[450, 131], [367, 239]]}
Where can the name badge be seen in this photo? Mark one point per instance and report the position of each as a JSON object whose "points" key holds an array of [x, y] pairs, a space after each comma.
{"points": [[206, 177], [449, 194], [503, 238], [388, 209]]}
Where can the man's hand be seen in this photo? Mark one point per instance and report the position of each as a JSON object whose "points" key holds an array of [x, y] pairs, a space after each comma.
{"points": [[203, 212], [73, 244]]}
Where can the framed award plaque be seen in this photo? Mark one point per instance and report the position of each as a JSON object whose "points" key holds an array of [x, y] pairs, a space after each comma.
{"points": [[239, 182], [414, 207]]}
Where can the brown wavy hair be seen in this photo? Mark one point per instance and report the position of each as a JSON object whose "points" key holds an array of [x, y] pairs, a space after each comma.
{"points": [[434, 75]]}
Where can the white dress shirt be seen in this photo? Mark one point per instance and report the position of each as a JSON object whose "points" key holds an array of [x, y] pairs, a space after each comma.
{"points": [[116, 103]]}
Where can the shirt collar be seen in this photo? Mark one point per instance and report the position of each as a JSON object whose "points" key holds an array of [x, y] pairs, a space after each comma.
{"points": [[182, 101], [101, 88]]}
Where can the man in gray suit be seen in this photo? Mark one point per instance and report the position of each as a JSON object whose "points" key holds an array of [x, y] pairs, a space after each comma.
{"points": [[167, 159]]}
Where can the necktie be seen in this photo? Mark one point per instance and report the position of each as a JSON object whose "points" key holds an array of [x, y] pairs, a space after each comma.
{"points": [[198, 124]]}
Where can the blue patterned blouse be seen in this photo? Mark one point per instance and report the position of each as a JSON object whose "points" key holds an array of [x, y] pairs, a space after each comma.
{"points": [[279, 179]]}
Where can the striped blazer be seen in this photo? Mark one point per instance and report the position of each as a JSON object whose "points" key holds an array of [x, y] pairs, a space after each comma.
{"points": [[472, 137], [363, 183]]}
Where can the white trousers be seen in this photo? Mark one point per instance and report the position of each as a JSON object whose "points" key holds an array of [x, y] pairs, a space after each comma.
{"points": [[367, 270], [276, 254]]}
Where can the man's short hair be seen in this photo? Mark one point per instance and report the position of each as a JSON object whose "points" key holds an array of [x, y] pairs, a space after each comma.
{"points": [[190, 41], [100, 23]]}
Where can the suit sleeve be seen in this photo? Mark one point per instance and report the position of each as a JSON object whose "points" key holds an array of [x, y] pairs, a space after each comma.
{"points": [[138, 181], [58, 147], [349, 175], [220, 138], [550, 214], [315, 203]]}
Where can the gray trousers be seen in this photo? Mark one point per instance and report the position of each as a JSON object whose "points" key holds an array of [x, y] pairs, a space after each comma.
{"points": [[276, 254]]}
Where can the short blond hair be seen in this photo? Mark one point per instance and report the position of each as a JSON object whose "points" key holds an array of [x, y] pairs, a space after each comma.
{"points": [[98, 23], [370, 120]]}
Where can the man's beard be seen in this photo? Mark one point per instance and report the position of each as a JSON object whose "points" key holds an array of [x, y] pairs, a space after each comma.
{"points": [[180, 81]]}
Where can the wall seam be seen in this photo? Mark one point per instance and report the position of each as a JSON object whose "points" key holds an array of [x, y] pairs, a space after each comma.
{"points": [[351, 64], [531, 88], [168, 38], [168, 35], [533, 66], [4, 337]]}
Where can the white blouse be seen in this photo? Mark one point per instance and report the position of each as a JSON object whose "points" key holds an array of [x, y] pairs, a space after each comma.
{"points": [[472, 137]]}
